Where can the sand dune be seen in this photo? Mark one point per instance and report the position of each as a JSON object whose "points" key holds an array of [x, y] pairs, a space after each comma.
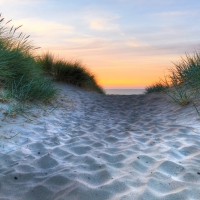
{"points": [[96, 147]]}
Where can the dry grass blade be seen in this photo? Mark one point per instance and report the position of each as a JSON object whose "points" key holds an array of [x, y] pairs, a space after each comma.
{"points": [[20, 73], [17, 28], [8, 21]]}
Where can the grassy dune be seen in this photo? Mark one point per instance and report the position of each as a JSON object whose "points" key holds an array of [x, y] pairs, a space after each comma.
{"points": [[183, 82], [24, 76], [69, 72]]}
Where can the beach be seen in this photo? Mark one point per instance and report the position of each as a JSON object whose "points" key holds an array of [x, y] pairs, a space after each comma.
{"points": [[89, 146]]}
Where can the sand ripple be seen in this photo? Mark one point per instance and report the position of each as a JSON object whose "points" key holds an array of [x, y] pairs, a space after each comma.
{"points": [[107, 147]]}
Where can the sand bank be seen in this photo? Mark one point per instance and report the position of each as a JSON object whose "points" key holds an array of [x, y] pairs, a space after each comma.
{"points": [[96, 147]]}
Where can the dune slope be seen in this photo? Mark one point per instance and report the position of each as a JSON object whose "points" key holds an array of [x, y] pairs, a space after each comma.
{"points": [[98, 147]]}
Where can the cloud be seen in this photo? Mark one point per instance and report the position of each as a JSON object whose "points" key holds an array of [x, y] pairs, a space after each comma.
{"points": [[2, 2], [173, 14], [37, 26], [100, 20], [84, 43], [103, 24], [132, 42]]}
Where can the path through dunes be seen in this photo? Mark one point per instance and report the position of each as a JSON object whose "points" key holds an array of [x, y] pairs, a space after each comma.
{"points": [[98, 147]]}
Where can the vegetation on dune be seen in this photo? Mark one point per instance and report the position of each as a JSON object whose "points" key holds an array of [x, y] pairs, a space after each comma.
{"points": [[69, 72], [158, 87], [20, 74], [27, 77], [183, 82]]}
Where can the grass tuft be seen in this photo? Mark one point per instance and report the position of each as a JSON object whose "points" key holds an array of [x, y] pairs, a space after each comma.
{"points": [[158, 87], [26, 77], [183, 82], [20, 74], [69, 72]]}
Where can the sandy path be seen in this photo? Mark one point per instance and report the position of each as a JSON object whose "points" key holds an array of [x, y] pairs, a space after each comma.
{"points": [[105, 147]]}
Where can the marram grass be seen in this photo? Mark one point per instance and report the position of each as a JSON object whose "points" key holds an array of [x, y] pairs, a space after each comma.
{"points": [[20, 74], [158, 87], [27, 77], [183, 82], [69, 72]]}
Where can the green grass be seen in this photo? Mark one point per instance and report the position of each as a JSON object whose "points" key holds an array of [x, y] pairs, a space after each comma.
{"points": [[20, 74], [25, 77], [183, 82], [69, 72], [177, 90], [156, 88]]}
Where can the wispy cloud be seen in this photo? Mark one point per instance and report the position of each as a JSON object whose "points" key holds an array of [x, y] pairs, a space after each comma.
{"points": [[173, 14], [88, 42], [2, 2], [37, 26], [103, 24], [100, 20], [132, 42]]}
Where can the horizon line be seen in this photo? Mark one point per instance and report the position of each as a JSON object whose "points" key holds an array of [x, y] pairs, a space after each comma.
{"points": [[124, 88]]}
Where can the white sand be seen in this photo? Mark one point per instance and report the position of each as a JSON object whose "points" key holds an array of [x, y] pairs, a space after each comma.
{"points": [[96, 147]]}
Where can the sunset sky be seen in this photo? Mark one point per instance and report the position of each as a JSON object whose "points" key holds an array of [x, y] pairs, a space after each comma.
{"points": [[125, 43]]}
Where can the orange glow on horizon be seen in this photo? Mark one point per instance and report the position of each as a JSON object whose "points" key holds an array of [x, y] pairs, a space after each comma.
{"points": [[139, 76], [113, 72], [122, 49]]}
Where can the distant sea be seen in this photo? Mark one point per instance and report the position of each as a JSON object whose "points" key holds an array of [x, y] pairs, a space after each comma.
{"points": [[124, 91]]}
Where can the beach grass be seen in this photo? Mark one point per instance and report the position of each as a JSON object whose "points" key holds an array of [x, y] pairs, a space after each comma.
{"points": [[73, 73], [183, 81], [27, 77], [157, 87], [20, 74]]}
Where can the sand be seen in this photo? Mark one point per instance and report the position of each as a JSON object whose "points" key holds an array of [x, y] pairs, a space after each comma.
{"points": [[99, 147]]}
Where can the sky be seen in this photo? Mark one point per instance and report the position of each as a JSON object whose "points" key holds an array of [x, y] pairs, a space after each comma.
{"points": [[125, 43]]}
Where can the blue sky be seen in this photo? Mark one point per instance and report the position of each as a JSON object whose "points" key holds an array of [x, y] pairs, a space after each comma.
{"points": [[126, 43]]}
